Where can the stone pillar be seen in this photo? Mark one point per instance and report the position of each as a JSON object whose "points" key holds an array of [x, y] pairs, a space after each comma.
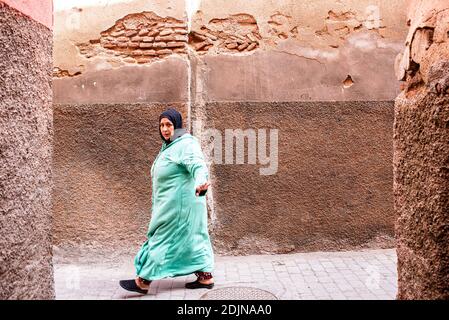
{"points": [[421, 154], [25, 150]]}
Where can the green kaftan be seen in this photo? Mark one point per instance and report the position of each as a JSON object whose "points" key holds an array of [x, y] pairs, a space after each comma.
{"points": [[178, 241]]}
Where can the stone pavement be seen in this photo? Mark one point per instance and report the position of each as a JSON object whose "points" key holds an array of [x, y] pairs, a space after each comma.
{"points": [[366, 274]]}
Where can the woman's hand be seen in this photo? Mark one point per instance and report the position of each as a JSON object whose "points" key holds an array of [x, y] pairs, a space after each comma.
{"points": [[202, 188]]}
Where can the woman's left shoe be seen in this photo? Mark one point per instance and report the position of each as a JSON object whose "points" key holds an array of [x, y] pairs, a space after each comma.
{"points": [[131, 285], [198, 285]]}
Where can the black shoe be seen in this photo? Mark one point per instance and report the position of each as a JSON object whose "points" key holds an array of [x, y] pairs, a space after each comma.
{"points": [[198, 285], [131, 285]]}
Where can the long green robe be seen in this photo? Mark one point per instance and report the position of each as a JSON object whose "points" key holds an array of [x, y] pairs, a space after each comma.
{"points": [[178, 241]]}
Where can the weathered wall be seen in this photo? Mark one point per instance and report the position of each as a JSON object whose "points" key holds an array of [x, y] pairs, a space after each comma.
{"points": [[41, 11], [332, 187], [298, 50], [25, 156], [333, 62], [120, 56], [102, 160], [137, 57], [421, 162], [110, 85]]}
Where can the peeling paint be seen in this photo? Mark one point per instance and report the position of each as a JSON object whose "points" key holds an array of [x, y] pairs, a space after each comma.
{"points": [[234, 34], [138, 38]]}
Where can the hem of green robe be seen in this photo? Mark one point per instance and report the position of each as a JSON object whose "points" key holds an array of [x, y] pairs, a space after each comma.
{"points": [[172, 275]]}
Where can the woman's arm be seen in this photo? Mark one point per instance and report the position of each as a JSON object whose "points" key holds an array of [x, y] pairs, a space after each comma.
{"points": [[193, 159]]}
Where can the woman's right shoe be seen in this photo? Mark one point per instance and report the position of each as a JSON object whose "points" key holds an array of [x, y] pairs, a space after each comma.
{"points": [[131, 285], [198, 285]]}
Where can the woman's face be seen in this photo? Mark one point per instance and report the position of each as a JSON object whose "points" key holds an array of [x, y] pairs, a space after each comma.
{"points": [[167, 128]]}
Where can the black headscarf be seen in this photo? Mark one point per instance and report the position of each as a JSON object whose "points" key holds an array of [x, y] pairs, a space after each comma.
{"points": [[176, 118]]}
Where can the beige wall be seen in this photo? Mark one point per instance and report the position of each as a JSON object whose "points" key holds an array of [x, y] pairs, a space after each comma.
{"points": [[26, 137]]}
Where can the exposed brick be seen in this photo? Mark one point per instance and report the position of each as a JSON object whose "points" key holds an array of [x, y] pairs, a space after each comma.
{"points": [[131, 33], [122, 39], [211, 36], [166, 32], [175, 44], [181, 31], [199, 36], [153, 33], [243, 46], [175, 25], [149, 52], [159, 44], [251, 37], [146, 45], [240, 37], [143, 60], [133, 45], [251, 46], [165, 38], [137, 53], [180, 50], [180, 38], [129, 60], [136, 39], [164, 51], [148, 39], [201, 32], [199, 46], [232, 45]]}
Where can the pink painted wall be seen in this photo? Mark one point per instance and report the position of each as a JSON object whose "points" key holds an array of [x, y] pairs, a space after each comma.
{"points": [[39, 10]]}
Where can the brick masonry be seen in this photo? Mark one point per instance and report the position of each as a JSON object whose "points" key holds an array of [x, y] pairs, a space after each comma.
{"points": [[139, 38]]}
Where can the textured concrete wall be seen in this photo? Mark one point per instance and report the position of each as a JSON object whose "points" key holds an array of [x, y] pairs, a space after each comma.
{"points": [[137, 57], [421, 144], [298, 50], [25, 157], [332, 187]]}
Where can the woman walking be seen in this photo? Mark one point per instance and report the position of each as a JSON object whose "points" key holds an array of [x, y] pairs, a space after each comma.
{"points": [[177, 242]]}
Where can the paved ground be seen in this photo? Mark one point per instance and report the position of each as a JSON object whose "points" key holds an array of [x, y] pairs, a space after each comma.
{"points": [[367, 274]]}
